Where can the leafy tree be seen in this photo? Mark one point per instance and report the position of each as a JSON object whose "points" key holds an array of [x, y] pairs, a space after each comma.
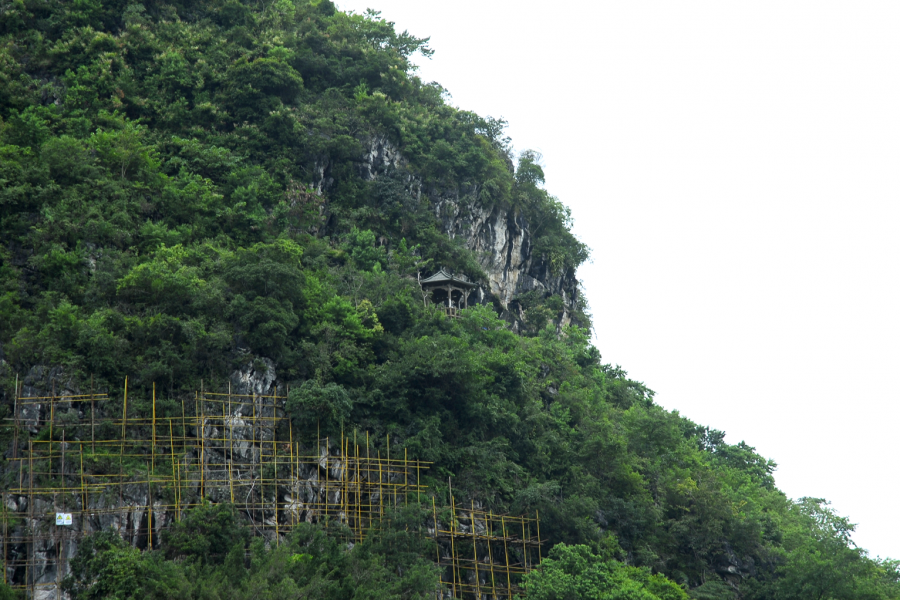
{"points": [[575, 573], [189, 187]]}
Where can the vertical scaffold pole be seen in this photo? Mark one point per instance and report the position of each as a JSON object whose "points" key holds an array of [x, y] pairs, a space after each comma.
{"points": [[345, 482], [31, 522], [124, 419], [489, 531], [252, 459], [475, 551], [58, 566], [52, 403], [454, 559], [537, 521], [275, 460], [62, 459], [201, 424], [16, 421], [184, 436], [229, 463], [291, 480], [175, 482], [274, 419], [369, 477], [418, 481], [524, 547], [149, 512], [358, 490], [390, 485], [184, 431], [84, 498], [327, 466], [153, 425], [16, 439], [506, 555], [5, 535], [92, 414], [437, 548], [381, 488]]}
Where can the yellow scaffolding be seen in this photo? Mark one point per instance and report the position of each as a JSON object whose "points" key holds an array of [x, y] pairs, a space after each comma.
{"points": [[140, 474]]}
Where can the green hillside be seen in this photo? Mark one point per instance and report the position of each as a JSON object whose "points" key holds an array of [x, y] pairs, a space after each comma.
{"points": [[185, 190]]}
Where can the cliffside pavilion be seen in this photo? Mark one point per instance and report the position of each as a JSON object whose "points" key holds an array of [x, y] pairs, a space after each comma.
{"points": [[450, 292]]}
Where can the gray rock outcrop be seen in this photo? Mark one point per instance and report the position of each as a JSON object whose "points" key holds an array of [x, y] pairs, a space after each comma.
{"points": [[500, 238]]}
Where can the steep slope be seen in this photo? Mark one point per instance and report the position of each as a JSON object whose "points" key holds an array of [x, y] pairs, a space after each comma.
{"points": [[197, 194]]}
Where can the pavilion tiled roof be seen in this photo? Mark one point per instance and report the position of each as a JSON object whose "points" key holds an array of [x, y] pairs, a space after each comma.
{"points": [[442, 277]]}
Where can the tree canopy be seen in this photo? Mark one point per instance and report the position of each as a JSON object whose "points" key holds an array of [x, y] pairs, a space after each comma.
{"points": [[183, 191]]}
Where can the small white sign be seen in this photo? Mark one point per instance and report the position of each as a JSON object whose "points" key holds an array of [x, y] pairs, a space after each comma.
{"points": [[63, 518]]}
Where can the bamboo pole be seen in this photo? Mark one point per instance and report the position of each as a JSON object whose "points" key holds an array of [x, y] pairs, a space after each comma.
{"points": [[175, 482], [149, 511], [50, 454], [381, 488], [16, 408], [124, 418], [121, 478], [274, 423], [344, 477], [16, 428], [31, 522], [524, 547], [369, 476], [253, 443], [201, 422], [275, 460], [490, 517], [230, 464], [327, 466], [454, 557], [390, 486], [358, 491], [291, 441], [153, 426], [92, 413], [506, 555], [84, 497], [5, 534], [537, 520], [58, 567], [437, 548], [475, 551]]}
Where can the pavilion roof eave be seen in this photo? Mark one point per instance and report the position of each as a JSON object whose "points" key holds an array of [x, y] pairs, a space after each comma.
{"points": [[442, 277]]}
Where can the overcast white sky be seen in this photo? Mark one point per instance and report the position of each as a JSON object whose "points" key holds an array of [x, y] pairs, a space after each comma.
{"points": [[734, 167]]}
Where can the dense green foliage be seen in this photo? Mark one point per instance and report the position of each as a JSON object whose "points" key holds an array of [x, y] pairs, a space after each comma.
{"points": [[180, 194], [208, 555], [574, 573]]}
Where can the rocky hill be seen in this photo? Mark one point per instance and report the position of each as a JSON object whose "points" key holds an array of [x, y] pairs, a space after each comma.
{"points": [[216, 197]]}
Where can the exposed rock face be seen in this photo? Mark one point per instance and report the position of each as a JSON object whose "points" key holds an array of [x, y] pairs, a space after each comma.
{"points": [[502, 242], [500, 238], [237, 431], [254, 378]]}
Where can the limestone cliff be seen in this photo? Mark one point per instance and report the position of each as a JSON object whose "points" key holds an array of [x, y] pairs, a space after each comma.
{"points": [[500, 238]]}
